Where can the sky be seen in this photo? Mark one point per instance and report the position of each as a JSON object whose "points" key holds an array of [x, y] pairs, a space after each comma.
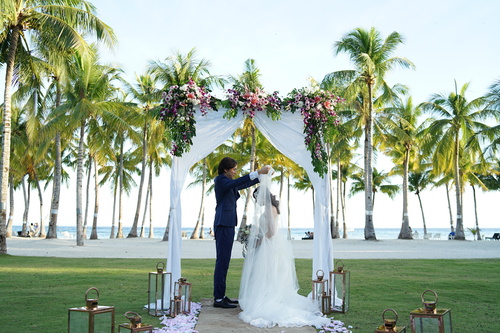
{"points": [[292, 41]]}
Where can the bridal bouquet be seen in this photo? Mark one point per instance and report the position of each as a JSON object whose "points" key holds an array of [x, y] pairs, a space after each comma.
{"points": [[244, 236], [320, 120], [251, 102], [178, 109]]}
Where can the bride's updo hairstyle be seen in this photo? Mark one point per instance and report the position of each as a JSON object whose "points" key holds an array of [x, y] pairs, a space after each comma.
{"points": [[274, 201], [225, 164]]}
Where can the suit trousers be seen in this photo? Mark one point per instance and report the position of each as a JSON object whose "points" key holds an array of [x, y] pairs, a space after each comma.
{"points": [[224, 239]]}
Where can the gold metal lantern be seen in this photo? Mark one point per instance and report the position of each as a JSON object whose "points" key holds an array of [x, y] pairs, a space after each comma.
{"points": [[135, 324], [319, 287], [389, 324], [159, 287], [340, 288], [326, 305], [429, 319], [182, 295], [91, 318]]}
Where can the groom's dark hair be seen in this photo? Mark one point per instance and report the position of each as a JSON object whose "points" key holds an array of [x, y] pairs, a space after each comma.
{"points": [[225, 164]]}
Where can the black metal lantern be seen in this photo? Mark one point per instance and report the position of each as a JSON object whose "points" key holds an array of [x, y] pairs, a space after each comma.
{"points": [[182, 295], [390, 324], [91, 318], [340, 288], [429, 319], [319, 287], [135, 324], [160, 285]]}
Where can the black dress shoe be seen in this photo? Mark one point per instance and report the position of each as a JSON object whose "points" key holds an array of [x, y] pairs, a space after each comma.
{"points": [[230, 301], [223, 304]]}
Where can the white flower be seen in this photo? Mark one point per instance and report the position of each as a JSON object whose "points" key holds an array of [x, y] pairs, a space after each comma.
{"points": [[184, 87]]}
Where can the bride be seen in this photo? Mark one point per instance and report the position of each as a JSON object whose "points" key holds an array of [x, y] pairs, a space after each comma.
{"points": [[268, 290]]}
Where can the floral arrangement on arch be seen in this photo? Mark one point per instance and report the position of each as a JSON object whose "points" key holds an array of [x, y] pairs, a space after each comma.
{"points": [[251, 102], [178, 109], [320, 121]]}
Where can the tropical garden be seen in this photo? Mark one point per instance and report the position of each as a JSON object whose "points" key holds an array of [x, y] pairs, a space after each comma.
{"points": [[65, 112]]}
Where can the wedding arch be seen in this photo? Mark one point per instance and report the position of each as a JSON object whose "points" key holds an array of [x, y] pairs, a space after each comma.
{"points": [[287, 135]]}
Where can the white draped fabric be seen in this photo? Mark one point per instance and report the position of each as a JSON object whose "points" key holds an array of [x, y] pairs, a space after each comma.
{"points": [[287, 136], [211, 131]]}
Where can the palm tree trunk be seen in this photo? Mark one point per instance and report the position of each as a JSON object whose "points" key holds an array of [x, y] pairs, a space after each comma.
{"points": [[405, 232], [133, 230], [6, 134], [10, 221], [165, 234], [343, 202], [422, 211], [449, 207], [195, 234], [79, 194], [459, 235], [368, 153], [93, 234], [146, 204], [56, 189], [113, 218], [41, 230], [150, 186], [475, 212], [334, 222], [87, 198], [119, 234], [27, 197]]}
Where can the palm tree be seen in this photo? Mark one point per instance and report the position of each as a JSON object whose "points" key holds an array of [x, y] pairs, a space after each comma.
{"points": [[148, 95], [50, 22], [178, 70], [205, 169], [371, 56], [401, 142], [87, 99], [417, 182], [458, 121]]}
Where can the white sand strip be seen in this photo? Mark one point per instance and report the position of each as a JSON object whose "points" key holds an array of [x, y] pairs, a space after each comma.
{"points": [[343, 248]]}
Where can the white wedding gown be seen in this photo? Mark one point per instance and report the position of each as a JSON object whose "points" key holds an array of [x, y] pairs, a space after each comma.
{"points": [[268, 290]]}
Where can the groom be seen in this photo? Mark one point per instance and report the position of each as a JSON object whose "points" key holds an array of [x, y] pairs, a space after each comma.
{"points": [[226, 194]]}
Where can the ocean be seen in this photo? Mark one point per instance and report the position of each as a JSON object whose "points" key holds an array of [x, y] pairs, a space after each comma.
{"points": [[69, 232]]}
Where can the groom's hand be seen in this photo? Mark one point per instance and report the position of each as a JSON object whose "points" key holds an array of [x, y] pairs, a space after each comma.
{"points": [[264, 170]]}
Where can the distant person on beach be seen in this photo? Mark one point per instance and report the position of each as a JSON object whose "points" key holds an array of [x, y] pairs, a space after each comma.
{"points": [[226, 195]]}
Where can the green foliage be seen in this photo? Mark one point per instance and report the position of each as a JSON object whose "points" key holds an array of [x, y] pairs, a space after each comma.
{"points": [[38, 291]]}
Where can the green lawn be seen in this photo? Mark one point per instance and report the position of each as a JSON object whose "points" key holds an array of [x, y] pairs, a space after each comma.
{"points": [[36, 292]]}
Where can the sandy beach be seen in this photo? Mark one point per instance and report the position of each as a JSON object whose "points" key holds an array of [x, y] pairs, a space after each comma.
{"points": [[343, 248]]}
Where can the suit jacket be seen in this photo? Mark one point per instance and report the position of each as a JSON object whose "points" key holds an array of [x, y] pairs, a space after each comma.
{"points": [[226, 194]]}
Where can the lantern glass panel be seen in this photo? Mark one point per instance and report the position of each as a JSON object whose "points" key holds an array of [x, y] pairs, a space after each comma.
{"points": [[159, 293], [184, 294], [128, 328], [340, 291], [319, 288], [439, 322], [100, 320]]}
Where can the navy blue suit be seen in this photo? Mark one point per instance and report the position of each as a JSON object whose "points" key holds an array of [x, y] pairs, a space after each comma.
{"points": [[226, 194]]}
